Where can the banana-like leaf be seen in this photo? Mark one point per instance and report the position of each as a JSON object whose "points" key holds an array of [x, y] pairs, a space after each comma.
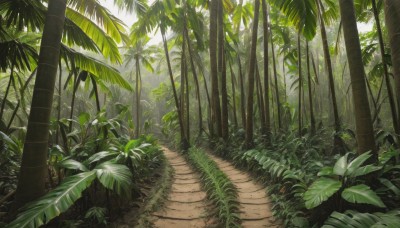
{"points": [[320, 191], [95, 67], [54, 203], [357, 162], [116, 177], [73, 165], [362, 194], [356, 219]]}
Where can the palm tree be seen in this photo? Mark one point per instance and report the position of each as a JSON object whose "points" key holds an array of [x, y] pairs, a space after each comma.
{"points": [[252, 68], [364, 129], [31, 181], [139, 54], [392, 17], [266, 73]]}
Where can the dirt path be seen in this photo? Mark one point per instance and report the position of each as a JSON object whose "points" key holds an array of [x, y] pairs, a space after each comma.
{"points": [[254, 203], [186, 205]]}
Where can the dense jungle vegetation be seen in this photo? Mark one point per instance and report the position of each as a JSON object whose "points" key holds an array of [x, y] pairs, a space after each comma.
{"points": [[303, 94]]}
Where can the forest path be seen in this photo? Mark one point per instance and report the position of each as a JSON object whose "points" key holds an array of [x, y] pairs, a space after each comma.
{"points": [[186, 205], [255, 206]]}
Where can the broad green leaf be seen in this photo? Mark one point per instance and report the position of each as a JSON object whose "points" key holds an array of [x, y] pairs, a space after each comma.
{"points": [[362, 171], [326, 171], [320, 191], [357, 162], [115, 177], [362, 194], [73, 165], [55, 202], [341, 166]]}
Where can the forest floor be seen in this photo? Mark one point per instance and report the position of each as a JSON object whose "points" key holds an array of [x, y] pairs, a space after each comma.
{"points": [[187, 206]]}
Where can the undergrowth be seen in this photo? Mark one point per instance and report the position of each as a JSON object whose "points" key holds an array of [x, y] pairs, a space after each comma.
{"points": [[219, 188]]}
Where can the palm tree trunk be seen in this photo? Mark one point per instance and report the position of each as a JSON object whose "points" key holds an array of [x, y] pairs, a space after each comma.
{"points": [[364, 129], [242, 93], [59, 101], [184, 141], [222, 72], [392, 17], [75, 88], [137, 128], [233, 80], [300, 82], [96, 93], [310, 98], [328, 62], [260, 99], [32, 176], [266, 74], [252, 67], [278, 102], [196, 81], [216, 108], [385, 69]]}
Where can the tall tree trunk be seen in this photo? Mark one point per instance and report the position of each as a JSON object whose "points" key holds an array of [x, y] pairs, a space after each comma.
{"points": [[300, 82], [260, 99], [242, 93], [75, 88], [385, 68], [32, 176], [196, 81], [216, 108], [137, 68], [96, 93], [59, 101], [392, 17], [278, 102], [184, 141], [364, 129], [252, 67], [222, 72], [310, 97], [3, 104], [266, 75], [328, 62], [233, 80]]}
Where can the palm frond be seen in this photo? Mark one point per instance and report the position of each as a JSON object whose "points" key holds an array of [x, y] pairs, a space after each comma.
{"points": [[115, 177]]}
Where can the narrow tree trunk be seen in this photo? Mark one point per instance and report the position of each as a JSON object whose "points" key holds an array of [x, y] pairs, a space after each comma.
{"points": [[3, 104], [252, 66], [364, 129], [184, 142], [216, 108], [233, 79], [75, 88], [278, 102], [196, 81], [96, 93], [222, 72], [32, 176], [59, 101], [392, 17], [300, 82], [328, 62], [310, 98], [260, 94], [266, 75], [385, 68], [242, 93]]}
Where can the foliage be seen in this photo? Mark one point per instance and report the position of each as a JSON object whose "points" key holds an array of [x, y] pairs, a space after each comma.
{"points": [[356, 219], [219, 188]]}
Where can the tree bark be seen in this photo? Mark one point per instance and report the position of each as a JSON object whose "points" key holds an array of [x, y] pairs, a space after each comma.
{"points": [[32, 176], [310, 98], [300, 83], [252, 67], [364, 129], [392, 17], [266, 74], [216, 108], [278, 102]]}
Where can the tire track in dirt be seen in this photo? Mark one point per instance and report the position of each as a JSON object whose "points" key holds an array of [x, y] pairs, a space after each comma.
{"points": [[255, 206], [186, 205]]}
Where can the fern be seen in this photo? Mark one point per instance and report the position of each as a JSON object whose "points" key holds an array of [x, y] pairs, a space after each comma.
{"points": [[356, 219]]}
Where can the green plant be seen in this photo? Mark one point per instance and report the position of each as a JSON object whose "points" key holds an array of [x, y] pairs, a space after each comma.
{"points": [[345, 180], [219, 188], [356, 219]]}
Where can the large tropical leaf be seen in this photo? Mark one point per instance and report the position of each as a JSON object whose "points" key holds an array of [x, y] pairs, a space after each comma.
{"points": [[362, 194], [115, 177], [354, 219], [51, 205], [320, 191], [340, 167], [94, 66], [105, 42]]}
